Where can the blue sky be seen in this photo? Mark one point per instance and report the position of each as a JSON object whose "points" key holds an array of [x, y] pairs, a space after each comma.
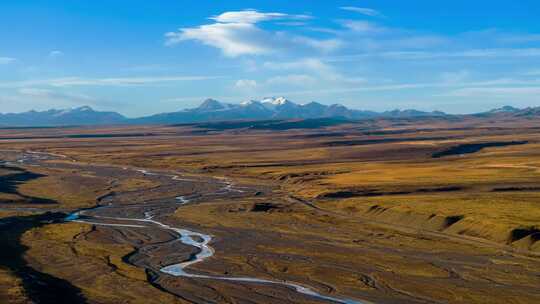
{"points": [[140, 57]]}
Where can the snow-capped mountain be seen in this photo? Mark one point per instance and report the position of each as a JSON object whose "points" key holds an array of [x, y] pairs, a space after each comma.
{"points": [[266, 108], [75, 116], [270, 108]]}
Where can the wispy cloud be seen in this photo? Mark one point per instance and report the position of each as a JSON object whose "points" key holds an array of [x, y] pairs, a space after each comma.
{"points": [[245, 84], [233, 39], [121, 81], [237, 33], [55, 95], [518, 38], [362, 10], [6, 60], [312, 65], [253, 16], [492, 86], [56, 54], [323, 45], [495, 92], [422, 55], [315, 68], [364, 27]]}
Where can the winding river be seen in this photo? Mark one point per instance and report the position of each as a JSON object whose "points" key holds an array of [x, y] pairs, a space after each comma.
{"points": [[187, 237]]}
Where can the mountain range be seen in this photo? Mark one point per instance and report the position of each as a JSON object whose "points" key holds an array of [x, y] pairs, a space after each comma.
{"points": [[268, 108], [213, 110]]}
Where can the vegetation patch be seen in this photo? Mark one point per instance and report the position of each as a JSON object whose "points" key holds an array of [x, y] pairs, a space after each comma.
{"points": [[473, 148]]}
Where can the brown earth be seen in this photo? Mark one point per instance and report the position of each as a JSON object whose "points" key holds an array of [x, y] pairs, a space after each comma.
{"points": [[358, 211]]}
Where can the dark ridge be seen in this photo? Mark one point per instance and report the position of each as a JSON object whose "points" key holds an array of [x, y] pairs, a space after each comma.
{"points": [[349, 194], [279, 125], [361, 142], [40, 287], [305, 174], [451, 220], [229, 125], [408, 131], [376, 209], [80, 136], [10, 182], [372, 193], [441, 189], [314, 123], [473, 148], [515, 189], [34, 127], [264, 207], [109, 135], [321, 135], [389, 132], [520, 233]]}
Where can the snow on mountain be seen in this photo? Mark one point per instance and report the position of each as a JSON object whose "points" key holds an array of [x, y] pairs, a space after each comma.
{"points": [[74, 116], [210, 110]]}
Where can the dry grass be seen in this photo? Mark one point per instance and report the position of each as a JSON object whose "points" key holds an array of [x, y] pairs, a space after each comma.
{"points": [[67, 251], [394, 236]]}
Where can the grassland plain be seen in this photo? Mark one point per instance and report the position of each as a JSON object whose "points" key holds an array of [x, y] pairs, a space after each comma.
{"points": [[361, 209]]}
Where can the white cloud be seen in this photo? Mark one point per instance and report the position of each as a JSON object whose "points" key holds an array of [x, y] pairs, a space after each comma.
{"points": [[315, 68], [526, 52], [464, 54], [487, 88], [56, 97], [325, 45], [364, 27], [124, 81], [495, 92], [56, 54], [311, 64], [246, 84], [519, 38], [233, 39], [362, 10], [236, 33], [120, 81], [6, 60], [253, 16], [50, 93]]}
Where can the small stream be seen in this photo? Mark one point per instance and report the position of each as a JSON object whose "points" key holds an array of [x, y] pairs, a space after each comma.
{"points": [[187, 237]]}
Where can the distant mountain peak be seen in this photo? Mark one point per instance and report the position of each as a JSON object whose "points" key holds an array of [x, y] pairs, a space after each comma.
{"points": [[210, 110], [84, 115], [270, 108], [281, 101], [84, 109], [211, 105], [249, 102], [277, 101], [505, 109]]}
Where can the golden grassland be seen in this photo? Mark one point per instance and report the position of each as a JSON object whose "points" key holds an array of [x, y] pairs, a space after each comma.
{"points": [[63, 250], [71, 252], [348, 255], [488, 214], [11, 290], [308, 168], [70, 189], [381, 211]]}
